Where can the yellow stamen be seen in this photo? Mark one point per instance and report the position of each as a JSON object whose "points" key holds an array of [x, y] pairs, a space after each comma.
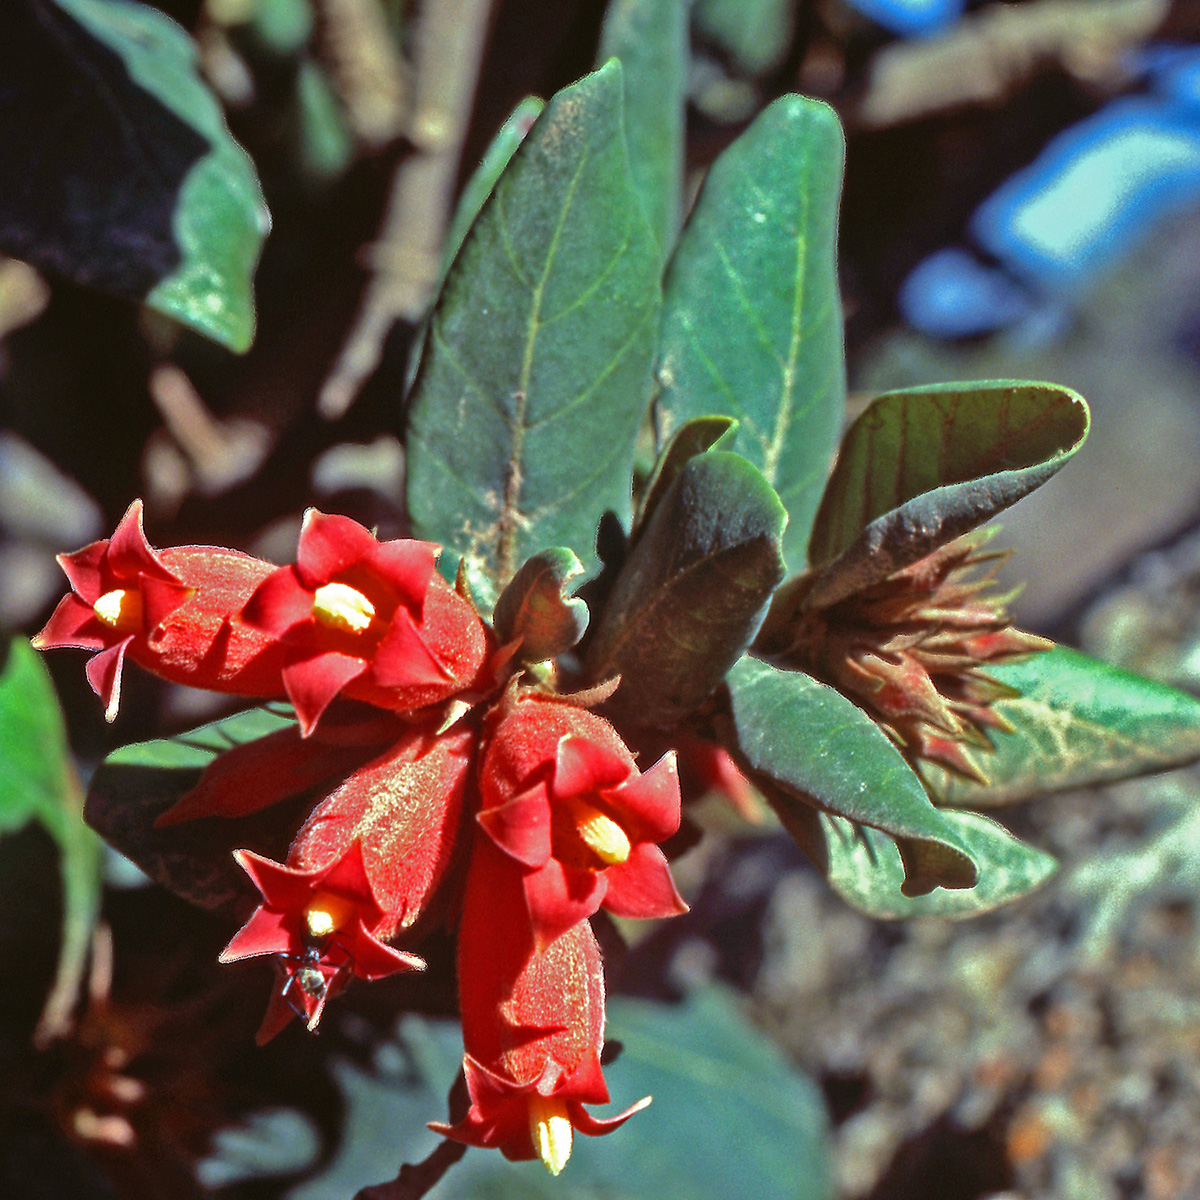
{"points": [[550, 1128], [326, 915], [342, 607], [601, 834], [120, 609]]}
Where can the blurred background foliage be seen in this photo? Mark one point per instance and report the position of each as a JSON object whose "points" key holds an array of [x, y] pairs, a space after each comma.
{"points": [[1022, 200]]}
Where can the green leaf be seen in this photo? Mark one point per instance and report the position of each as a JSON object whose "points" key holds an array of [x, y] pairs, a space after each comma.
{"points": [[923, 466], [483, 179], [326, 144], [150, 196], [695, 437], [693, 591], [138, 783], [822, 750], [650, 37], [537, 607], [1076, 722], [38, 782], [754, 33], [864, 867], [751, 316], [535, 376], [731, 1117]]}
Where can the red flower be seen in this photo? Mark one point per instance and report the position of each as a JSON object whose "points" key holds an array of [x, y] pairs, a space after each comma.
{"points": [[533, 1025], [369, 620], [561, 795], [321, 925], [404, 811], [168, 610]]}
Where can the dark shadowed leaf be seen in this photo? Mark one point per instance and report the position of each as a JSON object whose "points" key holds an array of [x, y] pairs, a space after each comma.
{"points": [[752, 321], [754, 33], [1077, 721], [822, 750], [138, 783], [923, 466], [731, 1117], [693, 591], [145, 194], [38, 782], [537, 606], [535, 376], [650, 38], [694, 437], [864, 867]]}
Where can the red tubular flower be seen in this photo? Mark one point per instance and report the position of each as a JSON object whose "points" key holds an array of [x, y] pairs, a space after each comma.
{"points": [[533, 1025], [561, 795], [168, 610], [320, 924], [368, 620], [404, 811]]}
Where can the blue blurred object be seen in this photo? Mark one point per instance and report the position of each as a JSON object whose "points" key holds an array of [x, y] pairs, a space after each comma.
{"points": [[910, 18], [1094, 189], [951, 294]]}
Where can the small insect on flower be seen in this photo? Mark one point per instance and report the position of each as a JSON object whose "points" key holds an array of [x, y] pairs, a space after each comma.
{"points": [[312, 977]]}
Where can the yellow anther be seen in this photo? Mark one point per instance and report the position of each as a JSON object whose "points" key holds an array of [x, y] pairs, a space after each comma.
{"points": [[550, 1128], [601, 834], [340, 606], [120, 609], [326, 915]]}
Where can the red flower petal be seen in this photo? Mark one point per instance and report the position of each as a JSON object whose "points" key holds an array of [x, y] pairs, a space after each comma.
{"points": [[67, 625], [582, 766], [85, 570], [521, 828], [408, 565], [104, 674], [649, 804], [129, 554], [160, 598], [269, 931], [312, 683], [642, 886], [328, 546], [373, 959], [278, 603], [403, 659], [561, 897]]}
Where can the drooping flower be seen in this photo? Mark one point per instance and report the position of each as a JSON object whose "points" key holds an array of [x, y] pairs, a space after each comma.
{"points": [[403, 810], [368, 620], [167, 610], [320, 926], [561, 795], [533, 1025], [913, 651]]}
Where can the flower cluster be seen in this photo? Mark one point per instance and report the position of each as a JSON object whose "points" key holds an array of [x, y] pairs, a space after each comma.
{"points": [[451, 790]]}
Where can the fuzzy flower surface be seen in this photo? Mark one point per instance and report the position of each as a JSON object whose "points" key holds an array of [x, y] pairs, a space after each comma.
{"points": [[562, 797], [321, 925], [533, 1025], [367, 620], [168, 610]]}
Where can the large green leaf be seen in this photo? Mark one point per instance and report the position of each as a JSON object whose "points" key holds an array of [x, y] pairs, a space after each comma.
{"points": [[146, 194], [922, 466], [650, 38], [755, 33], [730, 1117], [138, 783], [1077, 721], [751, 316], [693, 591], [535, 376], [821, 749], [864, 867], [38, 782]]}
